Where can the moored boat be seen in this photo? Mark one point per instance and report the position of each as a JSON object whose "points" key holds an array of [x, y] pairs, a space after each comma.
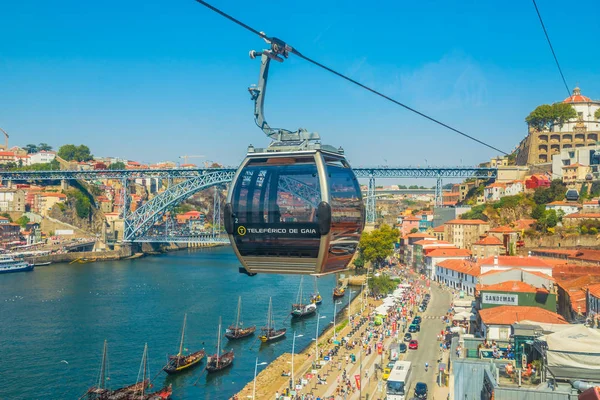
{"points": [[237, 331], [219, 361], [301, 309], [99, 391], [316, 297], [269, 333], [9, 264], [180, 362], [338, 292]]}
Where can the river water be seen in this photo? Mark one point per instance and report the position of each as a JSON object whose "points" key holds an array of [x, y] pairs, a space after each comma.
{"points": [[54, 320]]}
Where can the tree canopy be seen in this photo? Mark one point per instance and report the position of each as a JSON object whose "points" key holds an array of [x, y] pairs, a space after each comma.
{"points": [[70, 152], [556, 192], [377, 245], [117, 165], [382, 284], [546, 115], [597, 114]]}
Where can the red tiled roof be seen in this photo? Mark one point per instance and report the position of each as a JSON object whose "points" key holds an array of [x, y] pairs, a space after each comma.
{"points": [[569, 271], [595, 290], [584, 216], [464, 266], [59, 195], [576, 165], [489, 241], [524, 223], [577, 97], [412, 218], [449, 252], [466, 222], [424, 241], [515, 261], [439, 228], [509, 286], [536, 273], [508, 315]]}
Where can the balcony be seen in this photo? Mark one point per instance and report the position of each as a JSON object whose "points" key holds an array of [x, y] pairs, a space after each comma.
{"points": [[567, 138], [543, 138]]}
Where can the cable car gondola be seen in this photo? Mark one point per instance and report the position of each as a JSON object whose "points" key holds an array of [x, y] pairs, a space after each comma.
{"points": [[294, 207]]}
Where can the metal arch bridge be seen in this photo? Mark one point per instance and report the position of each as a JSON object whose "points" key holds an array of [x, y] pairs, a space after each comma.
{"points": [[139, 222]]}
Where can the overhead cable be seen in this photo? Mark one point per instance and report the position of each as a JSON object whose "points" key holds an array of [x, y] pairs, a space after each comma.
{"points": [[552, 48], [310, 60]]}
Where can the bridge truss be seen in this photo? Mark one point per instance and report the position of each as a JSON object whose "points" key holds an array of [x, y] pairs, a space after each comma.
{"points": [[193, 180]]}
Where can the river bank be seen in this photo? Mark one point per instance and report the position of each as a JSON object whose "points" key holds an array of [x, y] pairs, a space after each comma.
{"points": [[271, 380], [124, 253]]}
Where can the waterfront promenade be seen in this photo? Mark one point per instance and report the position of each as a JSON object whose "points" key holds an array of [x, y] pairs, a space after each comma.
{"points": [[270, 382]]}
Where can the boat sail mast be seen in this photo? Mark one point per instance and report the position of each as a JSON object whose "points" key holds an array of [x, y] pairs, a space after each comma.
{"points": [[219, 343], [143, 371], [102, 376], [239, 308], [182, 338]]}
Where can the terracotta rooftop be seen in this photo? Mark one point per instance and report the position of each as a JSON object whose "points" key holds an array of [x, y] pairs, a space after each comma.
{"points": [[524, 223], [466, 222], [595, 290], [510, 286], [584, 216], [449, 252], [439, 228], [566, 272], [515, 261], [508, 315], [564, 203], [464, 266], [536, 273], [489, 241], [431, 241]]}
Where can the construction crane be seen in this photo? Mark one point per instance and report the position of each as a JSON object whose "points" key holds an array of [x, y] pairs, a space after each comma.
{"points": [[6, 141], [185, 158]]}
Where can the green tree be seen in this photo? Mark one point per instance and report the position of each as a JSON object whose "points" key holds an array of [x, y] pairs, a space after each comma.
{"points": [[23, 221], [414, 230], [359, 262], [31, 148], [44, 147], [476, 212], [375, 246], [83, 206], [545, 115], [117, 165], [538, 211], [583, 193], [6, 215], [382, 284], [70, 152], [597, 114]]}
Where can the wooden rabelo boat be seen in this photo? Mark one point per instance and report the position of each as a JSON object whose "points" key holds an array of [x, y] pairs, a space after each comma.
{"points": [[139, 389], [218, 362], [237, 331], [269, 333], [180, 362], [136, 391], [300, 308]]}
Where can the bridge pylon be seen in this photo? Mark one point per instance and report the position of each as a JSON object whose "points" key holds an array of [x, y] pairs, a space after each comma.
{"points": [[371, 211]]}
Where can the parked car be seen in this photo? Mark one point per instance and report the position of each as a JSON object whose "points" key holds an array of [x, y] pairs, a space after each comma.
{"points": [[387, 370], [402, 348], [407, 337], [421, 390], [414, 328], [413, 345], [417, 320]]}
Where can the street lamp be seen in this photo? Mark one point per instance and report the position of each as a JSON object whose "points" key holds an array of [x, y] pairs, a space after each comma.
{"points": [[317, 337], [293, 346], [335, 303], [349, 302], [255, 371]]}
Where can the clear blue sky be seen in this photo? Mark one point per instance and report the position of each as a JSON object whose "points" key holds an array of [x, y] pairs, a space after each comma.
{"points": [[153, 80]]}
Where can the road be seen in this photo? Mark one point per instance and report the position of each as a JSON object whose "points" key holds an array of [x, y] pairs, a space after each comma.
{"points": [[428, 351]]}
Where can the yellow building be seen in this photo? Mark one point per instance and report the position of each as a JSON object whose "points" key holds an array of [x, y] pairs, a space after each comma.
{"points": [[464, 232], [575, 173]]}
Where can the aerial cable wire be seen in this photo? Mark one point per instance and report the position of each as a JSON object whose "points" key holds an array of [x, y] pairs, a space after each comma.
{"points": [[310, 60], [551, 48]]}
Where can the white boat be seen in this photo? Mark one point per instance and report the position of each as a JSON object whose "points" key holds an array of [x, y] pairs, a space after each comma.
{"points": [[9, 264], [300, 308]]}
